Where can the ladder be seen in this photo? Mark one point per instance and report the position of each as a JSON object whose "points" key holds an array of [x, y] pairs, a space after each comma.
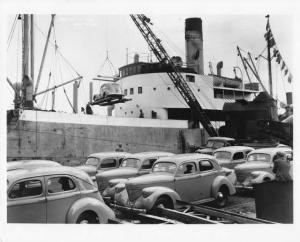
{"points": [[142, 23]]}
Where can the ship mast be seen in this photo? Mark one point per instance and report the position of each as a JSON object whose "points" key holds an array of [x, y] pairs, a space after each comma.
{"points": [[27, 62], [269, 56]]}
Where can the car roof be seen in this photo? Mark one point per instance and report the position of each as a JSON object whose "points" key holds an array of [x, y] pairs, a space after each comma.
{"points": [[184, 157], [271, 150], [26, 164], [149, 154], [221, 138], [234, 148], [109, 154], [18, 174]]}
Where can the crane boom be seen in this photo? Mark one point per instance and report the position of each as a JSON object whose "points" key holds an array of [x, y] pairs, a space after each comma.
{"points": [[142, 23]]}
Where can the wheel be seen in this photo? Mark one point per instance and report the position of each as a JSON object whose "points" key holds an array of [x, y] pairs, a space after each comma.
{"points": [[164, 202], [88, 218], [222, 197], [267, 179]]}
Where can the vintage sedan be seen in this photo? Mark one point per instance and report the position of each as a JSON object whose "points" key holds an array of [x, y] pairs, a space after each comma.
{"points": [[103, 161], [54, 195], [214, 143], [258, 167], [135, 165], [190, 178], [29, 164], [110, 90], [232, 156]]}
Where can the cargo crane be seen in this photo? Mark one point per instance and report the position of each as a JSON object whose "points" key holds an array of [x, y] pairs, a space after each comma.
{"points": [[142, 23]]}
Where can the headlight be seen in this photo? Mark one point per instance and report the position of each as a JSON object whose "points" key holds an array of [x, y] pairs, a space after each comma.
{"points": [[146, 194]]}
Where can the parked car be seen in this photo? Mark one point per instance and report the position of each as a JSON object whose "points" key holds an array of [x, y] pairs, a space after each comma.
{"points": [[132, 166], [29, 164], [54, 195], [231, 156], [214, 143], [112, 90], [103, 161], [186, 177], [258, 167]]}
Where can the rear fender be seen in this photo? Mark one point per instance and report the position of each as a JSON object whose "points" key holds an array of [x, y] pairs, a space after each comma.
{"points": [[156, 192], [260, 176], [218, 182], [89, 204]]}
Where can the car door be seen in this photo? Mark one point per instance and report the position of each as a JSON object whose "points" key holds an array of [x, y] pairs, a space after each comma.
{"points": [[187, 182], [26, 201], [207, 173], [61, 191], [237, 158]]}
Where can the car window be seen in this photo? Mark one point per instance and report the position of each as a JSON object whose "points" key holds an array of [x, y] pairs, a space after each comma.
{"points": [[131, 162], [108, 163], [164, 167], [60, 184], [205, 165], [187, 168], [222, 155], [27, 188], [147, 164], [259, 157], [247, 152], [92, 161], [238, 156]]}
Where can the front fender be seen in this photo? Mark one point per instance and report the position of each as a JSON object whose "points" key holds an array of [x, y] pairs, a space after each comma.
{"points": [[218, 182], [157, 191], [89, 204], [260, 176]]}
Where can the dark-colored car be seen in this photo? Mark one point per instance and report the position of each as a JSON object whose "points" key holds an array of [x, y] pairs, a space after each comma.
{"points": [[135, 165], [102, 161], [57, 194], [214, 143], [184, 177]]}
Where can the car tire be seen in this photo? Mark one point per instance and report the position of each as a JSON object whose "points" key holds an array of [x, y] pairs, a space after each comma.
{"points": [[88, 218], [163, 201], [222, 197]]}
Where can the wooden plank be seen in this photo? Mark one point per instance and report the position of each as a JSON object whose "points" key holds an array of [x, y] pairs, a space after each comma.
{"points": [[149, 218]]}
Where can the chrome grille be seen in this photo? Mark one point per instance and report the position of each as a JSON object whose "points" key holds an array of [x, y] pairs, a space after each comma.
{"points": [[133, 193], [102, 184]]}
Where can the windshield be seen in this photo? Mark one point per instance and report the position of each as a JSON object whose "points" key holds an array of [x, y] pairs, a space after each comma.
{"points": [[214, 144], [259, 157], [92, 161], [222, 155], [131, 162], [165, 167]]}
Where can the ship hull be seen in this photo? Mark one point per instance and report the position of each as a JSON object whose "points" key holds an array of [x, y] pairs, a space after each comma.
{"points": [[70, 138]]}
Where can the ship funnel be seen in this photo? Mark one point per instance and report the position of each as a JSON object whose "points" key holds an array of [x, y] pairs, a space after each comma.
{"points": [[194, 44], [136, 58], [219, 68]]}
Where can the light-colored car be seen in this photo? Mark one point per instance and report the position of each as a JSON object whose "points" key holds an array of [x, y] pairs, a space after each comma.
{"points": [[214, 143], [103, 161], [135, 165], [258, 167], [190, 178], [29, 164], [54, 195], [112, 90], [232, 156]]}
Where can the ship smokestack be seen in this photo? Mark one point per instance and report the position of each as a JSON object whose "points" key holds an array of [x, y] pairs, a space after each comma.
{"points": [[219, 68], [194, 44]]}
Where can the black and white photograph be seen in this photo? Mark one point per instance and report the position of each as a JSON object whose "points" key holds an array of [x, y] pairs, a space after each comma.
{"points": [[125, 117]]}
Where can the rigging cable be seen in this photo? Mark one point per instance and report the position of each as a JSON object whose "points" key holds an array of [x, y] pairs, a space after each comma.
{"points": [[69, 101], [11, 33]]}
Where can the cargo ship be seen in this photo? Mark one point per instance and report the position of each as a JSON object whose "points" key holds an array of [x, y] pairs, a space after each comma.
{"points": [[166, 123]]}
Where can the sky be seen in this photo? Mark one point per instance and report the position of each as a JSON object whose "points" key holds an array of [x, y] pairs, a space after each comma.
{"points": [[87, 40]]}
